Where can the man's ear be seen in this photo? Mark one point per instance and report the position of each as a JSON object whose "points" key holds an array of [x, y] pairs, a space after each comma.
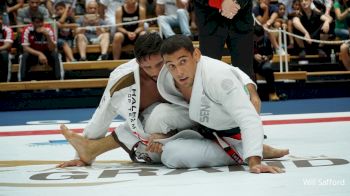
{"points": [[197, 54]]}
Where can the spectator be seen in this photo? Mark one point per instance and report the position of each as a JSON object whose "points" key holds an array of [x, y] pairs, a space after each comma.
{"points": [[293, 12], [9, 9], [39, 46], [65, 35], [172, 13], [263, 54], [310, 24], [342, 22], [6, 40], [131, 11], [107, 11], [90, 34], [266, 14], [24, 14], [344, 54]]}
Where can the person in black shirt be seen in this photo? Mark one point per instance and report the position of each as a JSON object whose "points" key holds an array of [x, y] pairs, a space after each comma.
{"points": [[65, 35]]}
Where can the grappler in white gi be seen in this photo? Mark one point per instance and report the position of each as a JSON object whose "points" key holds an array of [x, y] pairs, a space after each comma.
{"points": [[216, 99]]}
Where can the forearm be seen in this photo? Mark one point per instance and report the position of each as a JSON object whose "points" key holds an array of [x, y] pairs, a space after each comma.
{"points": [[272, 19], [297, 24], [32, 51], [253, 161], [138, 30], [15, 7], [123, 30], [6, 46], [51, 43]]}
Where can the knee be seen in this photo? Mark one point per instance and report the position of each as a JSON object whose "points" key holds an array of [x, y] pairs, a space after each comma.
{"points": [[118, 37], [181, 12], [344, 48], [173, 156], [81, 37], [161, 19]]}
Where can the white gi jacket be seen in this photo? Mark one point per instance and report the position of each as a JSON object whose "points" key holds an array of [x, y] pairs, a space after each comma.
{"points": [[124, 102], [219, 101]]}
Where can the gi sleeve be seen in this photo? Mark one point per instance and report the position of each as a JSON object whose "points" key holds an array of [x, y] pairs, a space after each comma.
{"points": [[229, 92]]}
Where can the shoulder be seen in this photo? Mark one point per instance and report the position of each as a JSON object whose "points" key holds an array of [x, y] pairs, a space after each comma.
{"points": [[219, 78]]}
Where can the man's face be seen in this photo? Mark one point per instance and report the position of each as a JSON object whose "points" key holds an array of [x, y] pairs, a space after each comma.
{"points": [[92, 8], [34, 4], [281, 10], [152, 65], [182, 65], [38, 23], [305, 3], [59, 10], [296, 5]]}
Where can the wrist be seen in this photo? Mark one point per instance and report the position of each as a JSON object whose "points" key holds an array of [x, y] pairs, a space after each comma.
{"points": [[254, 160]]}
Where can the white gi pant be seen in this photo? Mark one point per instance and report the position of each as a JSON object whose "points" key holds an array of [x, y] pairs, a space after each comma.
{"points": [[187, 149], [157, 118]]}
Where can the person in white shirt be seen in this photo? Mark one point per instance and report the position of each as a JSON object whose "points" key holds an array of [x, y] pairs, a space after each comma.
{"points": [[172, 13]]}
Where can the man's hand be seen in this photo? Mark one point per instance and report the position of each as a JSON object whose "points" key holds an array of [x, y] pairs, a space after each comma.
{"points": [[131, 35], [42, 59], [72, 163], [42, 30], [154, 146], [255, 166], [229, 8], [325, 27], [307, 36]]}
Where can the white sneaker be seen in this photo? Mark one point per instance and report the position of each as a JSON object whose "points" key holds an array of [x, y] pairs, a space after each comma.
{"points": [[280, 51]]}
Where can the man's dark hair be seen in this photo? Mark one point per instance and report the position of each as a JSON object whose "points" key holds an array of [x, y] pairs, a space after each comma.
{"points": [[37, 16], [147, 45], [175, 43], [60, 3]]}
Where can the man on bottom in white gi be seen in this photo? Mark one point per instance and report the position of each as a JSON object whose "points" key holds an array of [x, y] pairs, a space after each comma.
{"points": [[216, 99], [132, 93]]}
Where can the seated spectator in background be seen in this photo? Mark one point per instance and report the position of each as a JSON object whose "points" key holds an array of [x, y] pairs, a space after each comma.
{"points": [[310, 24], [6, 40], [149, 6], [322, 6], [281, 20], [65, 36], [77, 6], [342, 20], [131, 11], [344, 54], [90, 34], [9, 10], [172, 13], [39, 47], [266, 14], [25, 14], [263, 54], [107, 10], [293, 12]]}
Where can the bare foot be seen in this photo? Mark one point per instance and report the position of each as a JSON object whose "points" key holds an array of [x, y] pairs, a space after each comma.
{"points": [[81, 144], [271, 153]]}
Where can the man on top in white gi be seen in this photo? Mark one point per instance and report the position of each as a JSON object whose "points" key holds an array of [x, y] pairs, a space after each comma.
{"points": [[216, 99], [129, 96]]}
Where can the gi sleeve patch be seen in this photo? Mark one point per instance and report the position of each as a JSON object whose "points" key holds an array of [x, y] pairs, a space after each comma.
{"points": [[227, 85]]}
